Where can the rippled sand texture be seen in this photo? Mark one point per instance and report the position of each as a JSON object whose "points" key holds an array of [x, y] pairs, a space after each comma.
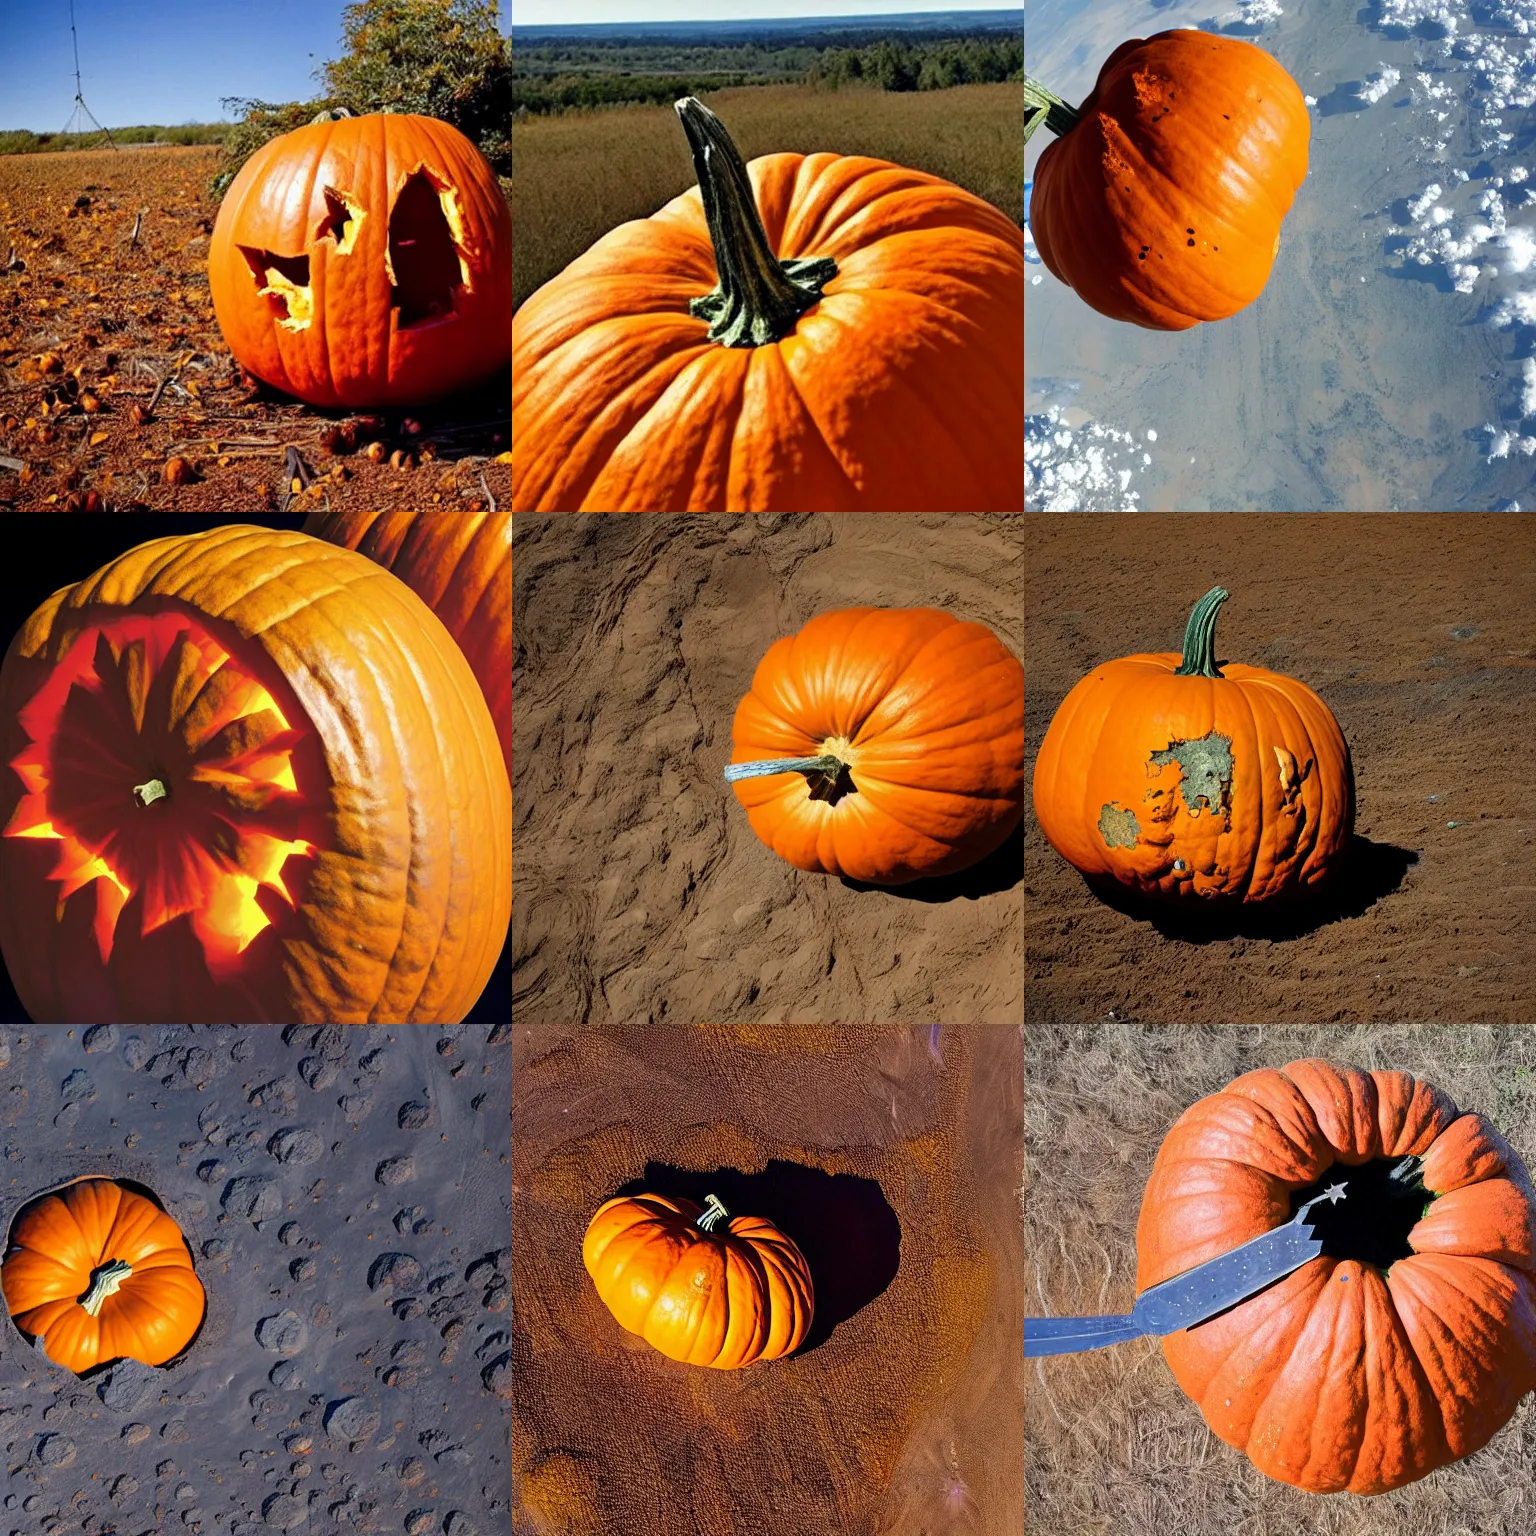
{"points": [[893, 1158], [639, 889]]}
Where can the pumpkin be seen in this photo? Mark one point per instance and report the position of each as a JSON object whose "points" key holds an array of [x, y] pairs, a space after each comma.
{"points": [[808, 332], [883, 744], [699, 1292], [100, 1273], [460, 565], [365, 262], [1161, 201], [247, 776], [1411, 1340], [1181, 780]]}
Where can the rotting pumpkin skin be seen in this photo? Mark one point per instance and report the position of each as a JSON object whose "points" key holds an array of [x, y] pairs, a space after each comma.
{"points": [[1345, 1375], [1236, 787], [1163, 205]]}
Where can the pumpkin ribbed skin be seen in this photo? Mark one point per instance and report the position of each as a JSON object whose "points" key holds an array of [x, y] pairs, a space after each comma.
{"points": [[247, 776], [901, 390], [723, 1298], [353, 351], [57, 1244], [1345, 1375], [1163, 205], [927, 710], [1236, 788], [460, 565]]}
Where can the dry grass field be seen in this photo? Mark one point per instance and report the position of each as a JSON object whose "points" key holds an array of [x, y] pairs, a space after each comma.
{"points": [[576, 176], [1112, 1444]]}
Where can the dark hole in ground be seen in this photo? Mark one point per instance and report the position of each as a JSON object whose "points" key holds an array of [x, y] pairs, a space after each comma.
{"points": [[422, 254], [841, 1223], [1383, 1202]]}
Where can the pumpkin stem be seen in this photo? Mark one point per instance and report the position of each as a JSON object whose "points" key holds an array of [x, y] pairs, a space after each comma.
{"points": [[829, 765], [714, 1211], [758, 297], [1200, 637], [147, 794], [1043, 106], [104, 1283]]}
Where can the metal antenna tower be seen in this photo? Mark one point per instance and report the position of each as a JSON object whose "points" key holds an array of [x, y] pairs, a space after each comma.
{"points": [[81, 112]]}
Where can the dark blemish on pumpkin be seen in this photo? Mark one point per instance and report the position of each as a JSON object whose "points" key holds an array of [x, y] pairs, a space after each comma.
{"points": [[1142, 256], [1189, 242], [1118, 828], [1188, 230], [1205, 767]]}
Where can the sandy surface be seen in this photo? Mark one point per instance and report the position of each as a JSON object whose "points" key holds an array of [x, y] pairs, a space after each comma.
{"points": [[1419, 632], [892, 1157], [640, 892], [238, 1435], [1113, 1446]]}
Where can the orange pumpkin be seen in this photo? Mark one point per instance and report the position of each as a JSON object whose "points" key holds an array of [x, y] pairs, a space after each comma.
{"points": [[1182, 780], [1161, 201], [808, 333], [247, 776], [1412, 1339], [460, 565], [365, 262], [700, 1293], [99, 1273], [884, 744]]}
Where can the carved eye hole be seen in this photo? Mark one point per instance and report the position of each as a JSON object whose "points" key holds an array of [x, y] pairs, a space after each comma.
{"points": [[424, 266], [341, 221], [283, 282]]}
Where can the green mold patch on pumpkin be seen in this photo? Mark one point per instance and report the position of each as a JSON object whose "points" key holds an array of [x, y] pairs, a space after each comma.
{"points": [[1205, 765], [1118, 827]]}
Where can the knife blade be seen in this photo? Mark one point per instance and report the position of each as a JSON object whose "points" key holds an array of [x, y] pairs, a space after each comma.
{"points": [[1193, 1297]]}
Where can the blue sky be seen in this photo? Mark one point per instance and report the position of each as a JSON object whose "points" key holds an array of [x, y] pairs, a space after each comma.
{"points": [[167, 61], [543, 13]]}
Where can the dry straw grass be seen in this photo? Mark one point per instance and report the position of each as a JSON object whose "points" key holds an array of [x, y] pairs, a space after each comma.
{"points": [[576, 176], [1112, 1444]]}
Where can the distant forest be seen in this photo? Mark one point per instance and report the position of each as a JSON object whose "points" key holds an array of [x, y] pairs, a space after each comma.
{"points": [[555, 74]]}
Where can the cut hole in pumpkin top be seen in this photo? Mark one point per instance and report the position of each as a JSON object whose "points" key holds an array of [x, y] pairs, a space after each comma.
{"points": [[1384, 1200], [283, 281], [423, 261]]}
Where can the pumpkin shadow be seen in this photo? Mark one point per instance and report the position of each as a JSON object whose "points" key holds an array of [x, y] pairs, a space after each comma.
{"points": [[842, 1223], [1001, 870], [1370, 871]]}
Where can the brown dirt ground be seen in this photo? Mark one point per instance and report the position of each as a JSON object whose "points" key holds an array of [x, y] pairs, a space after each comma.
{"points": [[1419, 632], [893, 1158], [639, 889], [1113, 1446], [119, 318]]}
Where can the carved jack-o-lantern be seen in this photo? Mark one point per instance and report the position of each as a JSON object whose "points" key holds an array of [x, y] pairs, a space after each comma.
{"points": [[365, 262]]}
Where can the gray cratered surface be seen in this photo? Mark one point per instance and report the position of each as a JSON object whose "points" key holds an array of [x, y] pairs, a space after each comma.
{"points": [[353, 1369]]}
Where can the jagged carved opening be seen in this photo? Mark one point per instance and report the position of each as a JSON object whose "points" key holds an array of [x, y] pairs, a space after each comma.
{"points": [[341, 221], [424, 268], [283, 281], [1383, 1202]]}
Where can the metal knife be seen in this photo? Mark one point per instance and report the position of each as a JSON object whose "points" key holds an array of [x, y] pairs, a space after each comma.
{"points": [[1193, 1296]]}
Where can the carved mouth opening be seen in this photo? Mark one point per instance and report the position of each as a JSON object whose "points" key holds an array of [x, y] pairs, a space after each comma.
{"points": [[1385, 1199]]}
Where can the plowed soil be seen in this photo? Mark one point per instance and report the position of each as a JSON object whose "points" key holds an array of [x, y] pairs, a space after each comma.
{"points": [[640, 892], [892, 1157], [92, 325], [1419, 632]]}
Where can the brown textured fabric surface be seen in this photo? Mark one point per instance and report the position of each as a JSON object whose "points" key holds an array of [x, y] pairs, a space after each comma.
{"points": [[893, 1158]]}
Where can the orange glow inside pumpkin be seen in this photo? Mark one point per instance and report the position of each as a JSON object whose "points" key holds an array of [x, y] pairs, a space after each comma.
{"points": [[162, 767]]}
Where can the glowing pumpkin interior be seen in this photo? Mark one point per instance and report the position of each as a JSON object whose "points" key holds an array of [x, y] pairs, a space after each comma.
{"points": [[163, 767]]}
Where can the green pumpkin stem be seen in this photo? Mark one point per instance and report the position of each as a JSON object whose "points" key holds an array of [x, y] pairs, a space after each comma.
{"points": [[1043, 106], [758, 298], [104, 1283], [1200, 637], [829, 765], [147, 794], [714, 1211]]}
